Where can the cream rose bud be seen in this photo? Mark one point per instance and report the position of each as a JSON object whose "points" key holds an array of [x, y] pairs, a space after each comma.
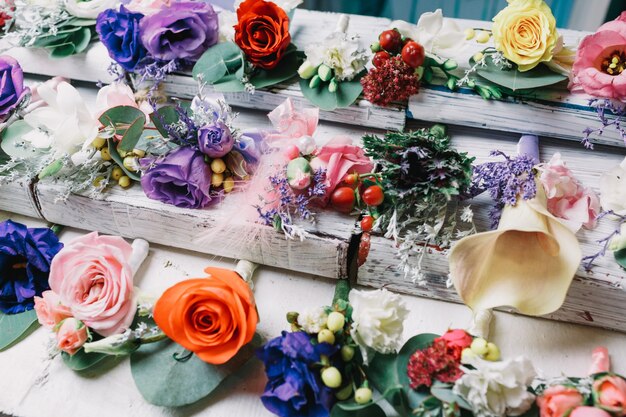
{"points": [[525, 32], [93, 277], [378, 320], [71, 335]]}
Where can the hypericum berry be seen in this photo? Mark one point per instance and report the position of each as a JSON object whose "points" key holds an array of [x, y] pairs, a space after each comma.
{"points": [[342, 199], [124, 181], [116, 173], [367, 223], [493, 352], [331, 377], [373, 195], [229, 184], [391, 41], [218, 166], [347, 353], [380, 58], [335, 321], [363, 395], [351, 180], [413, 54], [326, 336], [479, 346], [364, 248]]}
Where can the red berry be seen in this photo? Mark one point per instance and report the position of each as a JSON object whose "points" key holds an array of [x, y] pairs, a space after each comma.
{"points": [[380, 58], [367, 222], [350, 180], [364, 249], [373, 196], [390, 41], [413, 54], [342, 199]]}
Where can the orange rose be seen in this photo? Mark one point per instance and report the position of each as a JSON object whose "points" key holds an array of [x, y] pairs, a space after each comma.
{"points": [[262, 32], [213, 317]]}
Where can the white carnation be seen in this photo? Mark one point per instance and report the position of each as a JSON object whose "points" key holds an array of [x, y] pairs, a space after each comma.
{"points": [[340, 52], [378, 320], [313, 320], [497, 389], [227, 21]]}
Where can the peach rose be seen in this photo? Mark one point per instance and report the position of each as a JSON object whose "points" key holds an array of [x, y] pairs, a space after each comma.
{"points": [[213, 317], [71, 335], [93, 277], [610, 394], [49, 309], [589, 412], [557, 401]]}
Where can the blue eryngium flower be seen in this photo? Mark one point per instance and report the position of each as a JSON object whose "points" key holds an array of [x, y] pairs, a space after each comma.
{"points": [[294, 387], [25, 256]]}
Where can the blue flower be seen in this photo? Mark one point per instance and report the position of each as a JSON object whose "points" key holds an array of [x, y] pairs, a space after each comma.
{"points": [[25, 256], [294, 387], [119, 32]]}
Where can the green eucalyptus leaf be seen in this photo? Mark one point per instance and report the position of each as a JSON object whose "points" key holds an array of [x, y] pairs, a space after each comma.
{"points": [[347, 93], [369, 410], [443, 392], [81, 361], [168, 375], [514, 80], [121, 115], [120, 161], [81, 39], [132, 134], [166, 115], [84, 22], [63, 51], [229, 84], [12, 142], [620, 257], [15, 327], [217, 61], [286, 70]]}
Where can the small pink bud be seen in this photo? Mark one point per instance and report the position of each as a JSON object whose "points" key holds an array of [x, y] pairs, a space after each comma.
{"points": [[292, 152]]}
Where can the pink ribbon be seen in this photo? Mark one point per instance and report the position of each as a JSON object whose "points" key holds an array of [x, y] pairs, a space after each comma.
{"points": [[600, 361], [292, 124]]}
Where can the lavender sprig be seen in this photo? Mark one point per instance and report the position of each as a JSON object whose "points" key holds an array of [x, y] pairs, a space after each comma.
{"points": [[610, 115], [589, 260], [505, 181]]}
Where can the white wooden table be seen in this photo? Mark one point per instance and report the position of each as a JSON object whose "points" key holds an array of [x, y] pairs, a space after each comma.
{"points": [[33, 386]]}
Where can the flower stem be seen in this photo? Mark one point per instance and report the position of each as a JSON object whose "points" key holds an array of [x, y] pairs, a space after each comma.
{"points": [[342, 289], [56, 228]]}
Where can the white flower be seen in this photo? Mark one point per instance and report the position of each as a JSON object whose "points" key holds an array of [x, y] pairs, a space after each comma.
{"points": [[340, 52], [286, 5], [438, 36], [46, 4], [312, 320], [65, 120], [613, 189], [378, 320], [227, 21], [89, 9], [497, 389]]}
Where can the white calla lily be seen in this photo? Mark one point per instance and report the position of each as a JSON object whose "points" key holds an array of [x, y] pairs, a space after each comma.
{"points": [[528, 263], [437, 35], [64, 119]]}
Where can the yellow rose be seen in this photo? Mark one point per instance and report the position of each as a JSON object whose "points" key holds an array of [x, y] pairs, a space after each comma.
{"points": [[525, 33]]}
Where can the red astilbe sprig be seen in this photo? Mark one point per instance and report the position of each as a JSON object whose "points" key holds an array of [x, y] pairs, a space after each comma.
{"points": [[438, 361], [392, 81]]}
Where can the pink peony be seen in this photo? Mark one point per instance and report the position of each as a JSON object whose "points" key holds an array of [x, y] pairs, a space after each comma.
{"points": [[558, 401], [591, 71], [567, 198], [49, 309], [92, 276], [610, 392], [71, 335], [340, 157], [589, 412]]}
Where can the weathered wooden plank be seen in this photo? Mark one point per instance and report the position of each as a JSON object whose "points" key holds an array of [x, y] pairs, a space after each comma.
{"points": [[16, 197], [596, 298]]}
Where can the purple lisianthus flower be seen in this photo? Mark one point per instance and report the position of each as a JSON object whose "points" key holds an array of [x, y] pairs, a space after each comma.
{"points": [[25, 256], [215, 140], [181, 178], [182, 31], [12, 89], [119, 32], [294, 387], [251, 146]]}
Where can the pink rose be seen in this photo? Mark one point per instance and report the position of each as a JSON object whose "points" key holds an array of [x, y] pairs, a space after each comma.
{"points": [[610, 394], [118, 94], [590, 71], [557, 401], [340, 157], [567, 198], [93, 277], [71, 336], [589, 412], [49, 309]]}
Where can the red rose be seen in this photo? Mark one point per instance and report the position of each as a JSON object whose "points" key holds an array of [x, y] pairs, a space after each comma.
{"points": [[262, 32]]}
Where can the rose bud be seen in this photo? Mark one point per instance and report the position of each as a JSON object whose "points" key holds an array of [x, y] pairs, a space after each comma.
{"points": [[299, 173]]}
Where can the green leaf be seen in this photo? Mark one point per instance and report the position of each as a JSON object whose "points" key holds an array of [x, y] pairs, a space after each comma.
{"points": [[82, 361], [443, 392], [120, 161], [132, 135], [63, 51], [12, 142], [84, 22], [81, 39], [217, 61], [169, 382], [127, 121], [514, 80], [167, 116], [620, 257], [15, 327], [347, 93], [370, 410]]}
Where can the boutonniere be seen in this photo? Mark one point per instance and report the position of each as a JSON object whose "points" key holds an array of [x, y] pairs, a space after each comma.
{"points": [[260, 54], [331, 73]]}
